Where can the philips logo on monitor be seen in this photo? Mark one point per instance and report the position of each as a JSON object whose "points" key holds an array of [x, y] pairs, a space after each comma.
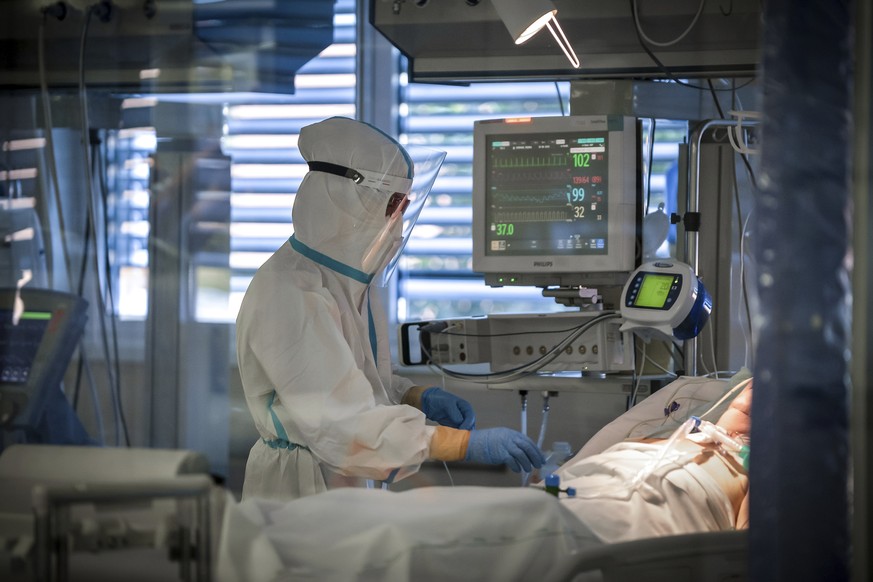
{"points": [[543, 264]]}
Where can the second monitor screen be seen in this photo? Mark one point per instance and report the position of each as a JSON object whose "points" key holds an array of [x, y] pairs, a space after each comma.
{"points": [[547, 194]]}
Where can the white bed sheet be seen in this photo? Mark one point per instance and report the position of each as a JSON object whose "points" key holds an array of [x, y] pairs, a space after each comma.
{"points": [[436, 533]]}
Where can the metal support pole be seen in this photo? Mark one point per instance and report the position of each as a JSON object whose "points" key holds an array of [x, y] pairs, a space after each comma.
{"points": [[693, 207]]}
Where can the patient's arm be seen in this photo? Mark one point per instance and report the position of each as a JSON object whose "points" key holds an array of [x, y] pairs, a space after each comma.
{"points": [[743, 514]]}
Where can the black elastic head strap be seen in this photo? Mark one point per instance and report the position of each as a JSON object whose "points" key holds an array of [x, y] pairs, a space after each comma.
{"points": [[337, 170]]}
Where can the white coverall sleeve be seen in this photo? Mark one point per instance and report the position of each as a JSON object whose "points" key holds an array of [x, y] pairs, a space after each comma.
{"points": [[322, 399], [398, 385]]}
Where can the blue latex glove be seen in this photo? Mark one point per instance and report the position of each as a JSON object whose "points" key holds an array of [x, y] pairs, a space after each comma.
{"points": [[503, 445], [447, 409]]}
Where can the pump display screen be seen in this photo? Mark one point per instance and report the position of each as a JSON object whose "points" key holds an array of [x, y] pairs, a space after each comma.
{"points": [[654, 291], [546, 194], [19, 343]]}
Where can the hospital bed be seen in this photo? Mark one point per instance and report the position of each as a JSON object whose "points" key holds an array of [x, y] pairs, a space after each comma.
{"points": [[702, 557], [479, 533], [699, 557], [93, 513], [140, 512]]}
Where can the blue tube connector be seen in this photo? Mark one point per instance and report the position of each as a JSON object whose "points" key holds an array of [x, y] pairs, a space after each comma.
{"points": [[553, 486]]}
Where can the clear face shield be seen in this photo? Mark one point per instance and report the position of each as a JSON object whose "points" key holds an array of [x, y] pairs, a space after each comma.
{"points": [[401, 213]]}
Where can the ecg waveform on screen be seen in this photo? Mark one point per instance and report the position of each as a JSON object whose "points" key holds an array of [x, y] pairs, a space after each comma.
{"points": [[531, 176], [533, 214], [531, 161], [531, 206], [525, 197]]}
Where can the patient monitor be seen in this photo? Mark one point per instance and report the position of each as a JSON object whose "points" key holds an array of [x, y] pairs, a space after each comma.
{"points": [[555, 200], [39, 332]]}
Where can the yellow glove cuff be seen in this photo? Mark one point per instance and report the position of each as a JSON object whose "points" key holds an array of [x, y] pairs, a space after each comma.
{"points": [[449, 444], [413, 396]]}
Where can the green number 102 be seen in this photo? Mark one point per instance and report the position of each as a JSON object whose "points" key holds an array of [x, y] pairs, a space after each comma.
{"points": [[581, 160]]}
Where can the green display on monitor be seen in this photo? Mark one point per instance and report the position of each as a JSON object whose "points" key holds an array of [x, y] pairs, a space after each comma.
{"points": [[654, 291]]}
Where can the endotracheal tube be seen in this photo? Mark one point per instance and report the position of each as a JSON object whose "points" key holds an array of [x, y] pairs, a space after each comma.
{"points": [[718, 435]]}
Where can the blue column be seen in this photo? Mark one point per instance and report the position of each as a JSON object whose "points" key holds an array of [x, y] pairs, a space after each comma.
{"points": [[800, 439]]}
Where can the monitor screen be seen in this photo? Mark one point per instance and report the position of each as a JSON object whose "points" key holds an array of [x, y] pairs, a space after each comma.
{"points": [[19, 343], [654, 290], [555, 200], [546, 194], [39, 332]]}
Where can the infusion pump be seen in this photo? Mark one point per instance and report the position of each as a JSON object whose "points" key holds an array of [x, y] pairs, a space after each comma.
{"points": [[665, 298]]}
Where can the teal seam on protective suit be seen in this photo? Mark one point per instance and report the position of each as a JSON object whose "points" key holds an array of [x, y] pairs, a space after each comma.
{"points": [[331, 264], [342, 269], [282, 441]]}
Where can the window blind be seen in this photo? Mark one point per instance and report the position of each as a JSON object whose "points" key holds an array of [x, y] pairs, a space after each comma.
{"points": [[266, 165]]}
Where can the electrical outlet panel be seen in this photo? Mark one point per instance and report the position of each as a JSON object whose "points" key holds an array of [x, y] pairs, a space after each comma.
{"points": [[509, 341]]}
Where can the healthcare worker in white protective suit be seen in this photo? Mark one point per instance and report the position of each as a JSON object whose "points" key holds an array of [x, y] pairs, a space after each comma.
{"points": [[312, 339]]}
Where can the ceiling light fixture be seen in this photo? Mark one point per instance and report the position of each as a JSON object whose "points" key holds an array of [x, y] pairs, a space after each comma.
{"points": [[524, 18]]}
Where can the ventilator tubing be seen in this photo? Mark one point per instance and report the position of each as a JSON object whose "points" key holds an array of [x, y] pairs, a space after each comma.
{"points": [[718, 435]]}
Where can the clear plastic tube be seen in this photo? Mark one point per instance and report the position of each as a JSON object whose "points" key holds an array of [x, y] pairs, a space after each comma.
{"points": [[542, 436], [545, 420], [543, 424], [729, 394], [525, 476], [718, 435], [679, 434], [613, 492], [524, 413]]}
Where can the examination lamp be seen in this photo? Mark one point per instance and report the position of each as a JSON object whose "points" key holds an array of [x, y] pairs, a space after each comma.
{"points": [[525, 18]]}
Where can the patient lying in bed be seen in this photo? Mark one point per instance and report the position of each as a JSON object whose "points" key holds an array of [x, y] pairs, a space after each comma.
{"points": [[697, 486], [479, 533]]}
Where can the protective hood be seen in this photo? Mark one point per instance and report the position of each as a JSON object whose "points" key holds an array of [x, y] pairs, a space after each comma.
{"points": [[340, 216]]}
